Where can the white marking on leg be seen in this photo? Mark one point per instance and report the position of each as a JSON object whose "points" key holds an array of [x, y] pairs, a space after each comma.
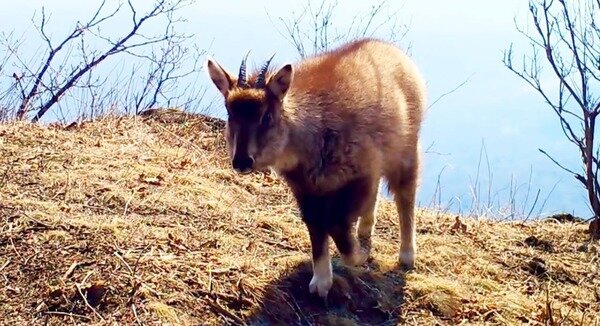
{"points": [[406, 210], [408, 247], [407, 258], [322, 275]]}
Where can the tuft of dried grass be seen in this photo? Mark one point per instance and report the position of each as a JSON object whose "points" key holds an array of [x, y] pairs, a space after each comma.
{"points": [[140, 220]]}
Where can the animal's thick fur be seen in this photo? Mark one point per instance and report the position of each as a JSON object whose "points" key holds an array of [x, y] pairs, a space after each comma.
{"points": [[346, 118]]}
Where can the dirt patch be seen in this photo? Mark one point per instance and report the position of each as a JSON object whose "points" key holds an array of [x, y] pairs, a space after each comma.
{"points": [[544, 245]]}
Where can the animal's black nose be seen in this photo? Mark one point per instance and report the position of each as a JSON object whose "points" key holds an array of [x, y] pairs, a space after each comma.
{"points": [[243, 164]]}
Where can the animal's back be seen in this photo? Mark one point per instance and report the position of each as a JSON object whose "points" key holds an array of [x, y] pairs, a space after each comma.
{"points": [[368, 91]]}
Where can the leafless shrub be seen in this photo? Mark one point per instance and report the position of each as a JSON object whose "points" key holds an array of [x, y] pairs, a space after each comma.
{"points": [[314, 29], [516, 200], [72, 75], [567, 35]]}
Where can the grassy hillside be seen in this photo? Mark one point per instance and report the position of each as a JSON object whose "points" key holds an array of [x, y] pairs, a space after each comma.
{"points": [[142, 221]]}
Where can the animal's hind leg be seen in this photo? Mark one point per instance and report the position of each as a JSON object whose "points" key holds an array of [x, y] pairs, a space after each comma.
{"points": [[368, 218], [347, 244], [404, 188], [356, 199]]}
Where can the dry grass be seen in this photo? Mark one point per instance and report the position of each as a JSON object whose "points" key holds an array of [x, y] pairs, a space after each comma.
{"points": [[142, 221]]}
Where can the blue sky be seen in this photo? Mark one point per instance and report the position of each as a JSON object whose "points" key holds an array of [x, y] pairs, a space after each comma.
{"points": [[450, 41]]}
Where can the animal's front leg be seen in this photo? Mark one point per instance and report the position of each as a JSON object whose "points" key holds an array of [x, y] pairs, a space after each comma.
{"points": [[321, 262]]}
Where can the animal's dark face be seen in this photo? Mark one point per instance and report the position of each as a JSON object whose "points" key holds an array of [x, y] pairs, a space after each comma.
{"points": [[256, 135], [256, 132]]}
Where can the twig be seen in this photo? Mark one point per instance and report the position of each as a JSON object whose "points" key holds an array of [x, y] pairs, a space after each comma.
{"points": [[5, 264], [87, 303], [549, 317], [68, 314], [577, 175], [537, 196], [70, 271], [134, 309], [280, 245], [220, 309], [30, 258], [124, 262], [450, 91]]}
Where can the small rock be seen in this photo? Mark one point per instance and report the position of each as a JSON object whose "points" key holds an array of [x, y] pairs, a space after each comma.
{"points": [[537, 267]]}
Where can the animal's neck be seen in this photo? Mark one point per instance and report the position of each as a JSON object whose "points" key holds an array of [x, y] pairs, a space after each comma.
{"points": [[300, 135]]}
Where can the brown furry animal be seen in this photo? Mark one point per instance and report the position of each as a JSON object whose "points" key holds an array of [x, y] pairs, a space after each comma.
{"points": [[332, 126]]}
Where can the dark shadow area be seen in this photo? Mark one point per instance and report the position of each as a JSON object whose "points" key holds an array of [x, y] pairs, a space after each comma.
{"points": [[359, 296]]}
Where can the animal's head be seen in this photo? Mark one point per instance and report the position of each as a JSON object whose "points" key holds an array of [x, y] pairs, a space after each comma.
{"points": [[256, 132]]}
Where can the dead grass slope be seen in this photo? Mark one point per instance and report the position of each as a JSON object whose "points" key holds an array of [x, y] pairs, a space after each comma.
{"points": [[141, 221]]}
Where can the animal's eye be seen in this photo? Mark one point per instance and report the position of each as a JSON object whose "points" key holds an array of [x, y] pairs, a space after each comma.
{"points": [[266, 119]]}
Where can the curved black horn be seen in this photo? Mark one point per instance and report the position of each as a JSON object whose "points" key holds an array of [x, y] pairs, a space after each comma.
{"points": [[260, 80], [242, 79]]}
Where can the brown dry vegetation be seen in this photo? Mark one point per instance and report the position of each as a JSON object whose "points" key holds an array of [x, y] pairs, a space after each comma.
{"points": [[142, 221]]}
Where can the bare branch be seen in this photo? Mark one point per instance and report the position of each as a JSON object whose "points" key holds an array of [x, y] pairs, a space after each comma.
{"points": [[577, 175], [315, 28], [62, 73], [450, 91], [117, 47]]}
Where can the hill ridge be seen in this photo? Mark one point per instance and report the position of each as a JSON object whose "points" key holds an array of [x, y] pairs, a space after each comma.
{"points": [[141, 220]]}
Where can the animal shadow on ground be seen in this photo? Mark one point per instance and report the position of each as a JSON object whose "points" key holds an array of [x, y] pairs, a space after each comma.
{"points": [[363, 295]]}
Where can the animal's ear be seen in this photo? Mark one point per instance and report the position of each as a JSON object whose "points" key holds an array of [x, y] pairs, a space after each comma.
{"points": [[220, 77], [280, 83]]}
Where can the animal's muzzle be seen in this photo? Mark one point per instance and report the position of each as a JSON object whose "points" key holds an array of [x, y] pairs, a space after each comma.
{"points": [[243, 164]]}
